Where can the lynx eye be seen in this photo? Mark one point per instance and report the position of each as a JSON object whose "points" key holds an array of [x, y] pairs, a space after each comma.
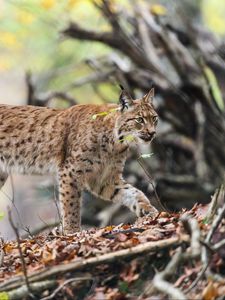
{"points": [[140, 120], [155, 119]]}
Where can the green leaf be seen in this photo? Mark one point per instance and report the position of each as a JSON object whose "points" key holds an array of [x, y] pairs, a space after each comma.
{"points": [[205, 221], [4, 296], [146, 155], [212, 80], [128, 138], [1, 217], [123, 287], [103, 113]]}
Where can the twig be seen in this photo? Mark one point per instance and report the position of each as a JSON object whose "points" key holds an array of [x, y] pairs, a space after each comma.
{"points": [[199, 277], [219, 245], [96, 77], [148, 46], [159, 281], [1, 252], [215, 223], [41, 228], [201, 168], [191, 225], [113, 234], [20, 251], [22, 292], [52, 296], [139, 160], [46, 98], [214, 226], [217, 197], [205, 251], [90, 262], [164, 286]]}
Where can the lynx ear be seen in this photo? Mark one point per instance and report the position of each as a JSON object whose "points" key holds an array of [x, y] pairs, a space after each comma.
{"points": [[149, 96], [125, 99]]}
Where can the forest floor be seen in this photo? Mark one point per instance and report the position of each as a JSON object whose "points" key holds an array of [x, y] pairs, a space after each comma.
{"points": [[176, 255]]}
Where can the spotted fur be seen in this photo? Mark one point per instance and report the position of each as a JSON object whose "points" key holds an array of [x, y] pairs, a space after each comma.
{"points": [[83, 146]]}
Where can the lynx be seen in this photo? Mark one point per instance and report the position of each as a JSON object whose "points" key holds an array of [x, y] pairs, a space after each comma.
{"points": [[85, 146]]}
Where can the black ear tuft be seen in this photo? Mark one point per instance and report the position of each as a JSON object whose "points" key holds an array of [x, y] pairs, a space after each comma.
{"points": [[125, 99]]}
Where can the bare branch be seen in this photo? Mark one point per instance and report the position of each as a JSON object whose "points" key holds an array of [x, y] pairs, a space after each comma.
{"points": [[20, 252], [1, 252], [164, 286], [159, 281], [219, 245], [79, 264], [216, 222], [41, 228], [53, 295], [46, 98], [37, 287], [75, 31]]}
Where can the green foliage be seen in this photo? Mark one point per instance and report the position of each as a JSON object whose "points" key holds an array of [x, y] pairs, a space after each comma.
{"points": [[4, 296], [103, 113], [212, 81], [1, 217], [128, 138], [147, 155], [30, 40], [205, 221], [123, 287], [213, 12]]}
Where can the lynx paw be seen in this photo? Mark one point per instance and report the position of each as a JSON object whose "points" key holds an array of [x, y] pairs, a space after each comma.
{"points": [[143, 207]]}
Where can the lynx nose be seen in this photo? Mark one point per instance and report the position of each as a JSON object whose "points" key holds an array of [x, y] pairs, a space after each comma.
{"points": [[152, 134]]}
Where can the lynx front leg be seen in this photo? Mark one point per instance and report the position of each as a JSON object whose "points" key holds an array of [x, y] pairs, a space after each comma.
{"points": [[70, 201], [136, 201], [129, 196]]}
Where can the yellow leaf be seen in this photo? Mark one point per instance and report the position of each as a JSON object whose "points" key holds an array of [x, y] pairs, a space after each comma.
{"points": [[8, 248], [213, 12], [48, 4], [25, 17], [98, 2], [9, 39], [111, 4], [72, 3], [4, 64], [158, 9], [210, 292]]}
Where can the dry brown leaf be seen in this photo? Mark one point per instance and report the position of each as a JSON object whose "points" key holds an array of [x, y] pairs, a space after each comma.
{"points": [[209, 292]]}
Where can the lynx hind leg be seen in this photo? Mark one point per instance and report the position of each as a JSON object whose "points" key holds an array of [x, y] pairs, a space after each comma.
{"points": [[70, 201]]}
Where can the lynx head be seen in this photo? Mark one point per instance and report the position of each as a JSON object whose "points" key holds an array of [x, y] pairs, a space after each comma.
{"points": [[138, 117]]}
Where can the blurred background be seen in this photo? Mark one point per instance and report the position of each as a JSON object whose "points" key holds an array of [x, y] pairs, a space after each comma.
{"points": [[60, 53]]}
